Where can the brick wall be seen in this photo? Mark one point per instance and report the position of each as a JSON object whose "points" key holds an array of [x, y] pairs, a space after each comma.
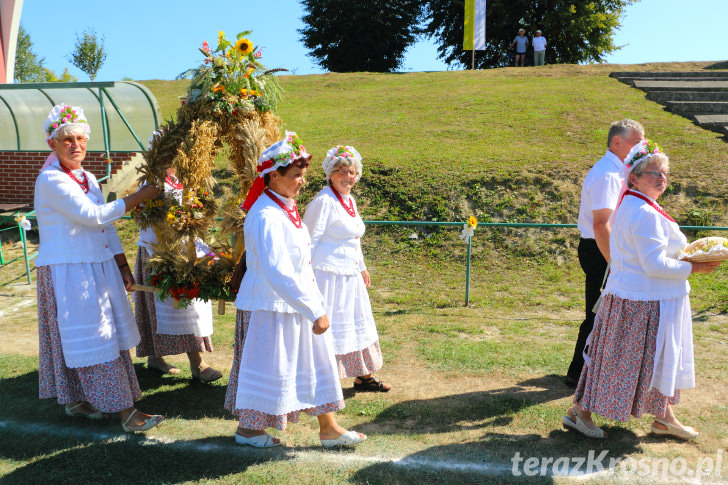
{"points": [[18, 171]]}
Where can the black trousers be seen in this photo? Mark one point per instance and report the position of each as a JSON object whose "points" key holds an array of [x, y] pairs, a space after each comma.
{"points": [[594, 265]]}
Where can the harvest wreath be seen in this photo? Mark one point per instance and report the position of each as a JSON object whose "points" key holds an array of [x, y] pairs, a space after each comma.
{"points": [[230, 100]]}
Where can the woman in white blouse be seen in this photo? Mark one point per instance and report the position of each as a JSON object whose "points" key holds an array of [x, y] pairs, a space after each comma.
{"points": [[336, 229], [164, 329], [640, 351], [287, 363], [85, 322]]}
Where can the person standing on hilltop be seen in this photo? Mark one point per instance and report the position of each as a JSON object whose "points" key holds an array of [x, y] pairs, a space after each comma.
{"points": [[539, 49], [521, 44], [599, 196]]}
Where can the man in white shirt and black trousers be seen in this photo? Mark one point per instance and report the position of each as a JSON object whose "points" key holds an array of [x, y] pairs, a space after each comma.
{"points": [[599, 196]]}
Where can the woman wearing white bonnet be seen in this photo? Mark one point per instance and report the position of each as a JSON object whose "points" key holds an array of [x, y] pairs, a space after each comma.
{"points": [[641, 349], [85, 322], [336, 229], [284, 362], [164, 329]]}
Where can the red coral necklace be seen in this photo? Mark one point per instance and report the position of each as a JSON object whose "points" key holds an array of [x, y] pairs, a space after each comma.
{"points": [[348, 208], [174, 183], [83, 184], [291, 213]]}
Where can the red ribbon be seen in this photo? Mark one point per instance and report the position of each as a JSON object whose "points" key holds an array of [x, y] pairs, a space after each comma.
{"points": [[265, 165], [258, 185], [255, 190], [652, 204]]}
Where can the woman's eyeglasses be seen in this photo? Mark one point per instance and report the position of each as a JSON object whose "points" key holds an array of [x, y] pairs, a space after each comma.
{"points": [[656, 174], [346, 173], [70, 140]]}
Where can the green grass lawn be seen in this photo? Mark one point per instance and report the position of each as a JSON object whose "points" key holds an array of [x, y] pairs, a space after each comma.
{"points": [[472, 385]]}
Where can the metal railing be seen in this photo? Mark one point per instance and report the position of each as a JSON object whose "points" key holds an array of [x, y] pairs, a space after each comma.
{"points": [[380, 223], [24, 242]]}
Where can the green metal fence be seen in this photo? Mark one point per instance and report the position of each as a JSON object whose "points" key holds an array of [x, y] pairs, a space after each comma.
{"points": [[381, 223], [506, 224], [24, 242]]}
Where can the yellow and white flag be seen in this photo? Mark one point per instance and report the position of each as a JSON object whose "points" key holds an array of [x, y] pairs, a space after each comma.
{"points": [[474, 36]]}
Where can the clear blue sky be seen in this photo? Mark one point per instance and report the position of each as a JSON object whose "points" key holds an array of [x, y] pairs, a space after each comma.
{"points": [[158, 39]]}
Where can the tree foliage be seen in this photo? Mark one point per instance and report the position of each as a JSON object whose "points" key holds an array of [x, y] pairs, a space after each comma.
{"points": [[576, 31], [372, 35], [65, 77], [88, 54], [28, 66]]}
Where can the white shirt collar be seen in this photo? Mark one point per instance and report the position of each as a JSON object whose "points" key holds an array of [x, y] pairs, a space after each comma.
{"points": [[290, 203], [615, 159]]}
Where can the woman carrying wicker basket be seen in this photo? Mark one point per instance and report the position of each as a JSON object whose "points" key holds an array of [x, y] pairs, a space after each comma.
{"points": [[641, 348], [287, 364], [85, 322], [336, 229]]}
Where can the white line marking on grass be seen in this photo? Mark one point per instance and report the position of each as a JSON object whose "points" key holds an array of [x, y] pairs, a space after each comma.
{"points": [[17, 306], [481, 467]]}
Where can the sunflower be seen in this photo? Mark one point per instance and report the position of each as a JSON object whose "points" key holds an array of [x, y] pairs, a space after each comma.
{"points": [[473, 222], [243, 46]]}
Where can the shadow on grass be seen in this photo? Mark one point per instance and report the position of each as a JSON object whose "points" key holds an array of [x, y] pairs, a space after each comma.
{"points": [[179, 396], [447, 413], [718, 65], [501, 458], [131, 460], [174, 397]]}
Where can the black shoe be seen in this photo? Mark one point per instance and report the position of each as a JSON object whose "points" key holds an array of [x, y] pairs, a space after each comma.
{"points": [[571, 382]]}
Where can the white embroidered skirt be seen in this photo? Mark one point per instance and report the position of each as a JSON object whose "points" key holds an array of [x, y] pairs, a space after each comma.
{"points": [[195, 319], [95, 319], [284, 366], [346, 302]]}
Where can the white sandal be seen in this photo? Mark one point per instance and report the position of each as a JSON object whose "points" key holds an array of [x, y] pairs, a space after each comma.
{"points": [[581, 427], [683, 433], [149, 423], [347, 438], [258, 441], [96, 415]]}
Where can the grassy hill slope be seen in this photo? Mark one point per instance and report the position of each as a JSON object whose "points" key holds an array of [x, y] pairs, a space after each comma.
{"points": [[508, 145]]}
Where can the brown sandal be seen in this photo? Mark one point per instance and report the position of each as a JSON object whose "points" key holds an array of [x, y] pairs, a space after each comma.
{"points": [[370, 384], [208, 374]]}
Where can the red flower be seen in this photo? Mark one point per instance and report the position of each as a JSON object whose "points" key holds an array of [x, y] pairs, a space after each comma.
{"points": [[189, 293]]}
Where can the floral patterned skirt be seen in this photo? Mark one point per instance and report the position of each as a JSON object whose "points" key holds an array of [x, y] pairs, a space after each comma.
{"points": [[616, 382], [250, 418], [109, 387], [360, 362], [145, 312]]}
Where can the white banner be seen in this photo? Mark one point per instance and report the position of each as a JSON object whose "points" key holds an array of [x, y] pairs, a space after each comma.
{"points": [[479, 26]]}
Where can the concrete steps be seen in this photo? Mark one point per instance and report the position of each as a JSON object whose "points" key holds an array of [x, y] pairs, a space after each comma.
{"points": [[122, 180], [696, 107], [663, 97], [700, 96]]}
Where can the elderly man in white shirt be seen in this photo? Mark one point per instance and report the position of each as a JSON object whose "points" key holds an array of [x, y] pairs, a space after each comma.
{"points": [[85, 322], [539, 49], [599, 195]]}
